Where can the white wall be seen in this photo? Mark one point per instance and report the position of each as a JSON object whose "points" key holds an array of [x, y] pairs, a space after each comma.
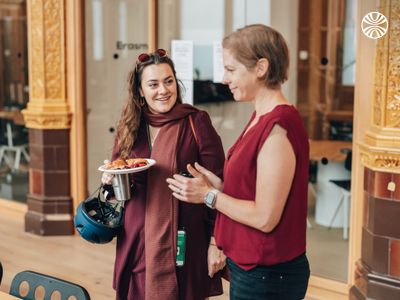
{"points": [[284, 18], [247, 12], [202, 21]]}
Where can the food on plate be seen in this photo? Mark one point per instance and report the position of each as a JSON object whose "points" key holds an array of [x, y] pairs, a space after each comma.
{"points": [[116, 164], [136, 162], [120, 163]]}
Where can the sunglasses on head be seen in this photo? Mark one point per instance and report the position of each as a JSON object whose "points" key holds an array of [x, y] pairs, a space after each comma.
{"points": [[146, 56]]}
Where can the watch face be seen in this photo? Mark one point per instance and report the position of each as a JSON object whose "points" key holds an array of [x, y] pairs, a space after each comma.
{"points": [[209, 200]]}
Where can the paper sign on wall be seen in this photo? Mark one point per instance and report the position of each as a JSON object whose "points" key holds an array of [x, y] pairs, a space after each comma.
{"points": [[182, 55], [218, 66]]}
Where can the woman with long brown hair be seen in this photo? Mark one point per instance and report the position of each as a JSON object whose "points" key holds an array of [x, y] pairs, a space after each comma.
{"points": [[155, 124]]}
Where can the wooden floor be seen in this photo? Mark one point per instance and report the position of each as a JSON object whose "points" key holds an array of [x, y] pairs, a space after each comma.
{"points": [[67, 257], [70, 258]]}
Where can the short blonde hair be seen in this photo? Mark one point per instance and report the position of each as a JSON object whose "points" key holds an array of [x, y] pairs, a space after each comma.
{"points": [[253, 42]]}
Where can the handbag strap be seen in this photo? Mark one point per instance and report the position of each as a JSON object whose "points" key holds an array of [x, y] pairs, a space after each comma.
{"points": [[193, 131]]}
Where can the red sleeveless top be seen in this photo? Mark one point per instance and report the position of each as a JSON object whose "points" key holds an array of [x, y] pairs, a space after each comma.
{"points": [[249, 247]]}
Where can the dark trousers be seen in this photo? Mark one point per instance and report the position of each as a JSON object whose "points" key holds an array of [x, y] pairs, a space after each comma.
{"points": [[285, 281]]}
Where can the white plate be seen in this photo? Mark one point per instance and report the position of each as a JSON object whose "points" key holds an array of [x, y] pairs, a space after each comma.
{"points": [[150, 163]]}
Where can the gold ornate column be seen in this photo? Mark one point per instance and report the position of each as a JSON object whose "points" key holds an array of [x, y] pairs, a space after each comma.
{"points": [[48, 118], [377, 275], [381, 150]]}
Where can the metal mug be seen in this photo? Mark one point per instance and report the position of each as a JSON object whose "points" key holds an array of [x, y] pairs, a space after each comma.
{"points": [[122, 187]]}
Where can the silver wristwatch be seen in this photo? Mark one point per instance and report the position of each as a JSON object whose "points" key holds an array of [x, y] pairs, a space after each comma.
{"points": [[211, 198]]}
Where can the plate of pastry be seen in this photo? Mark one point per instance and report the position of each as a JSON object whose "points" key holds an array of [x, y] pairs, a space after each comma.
{"points": [[127, 166]]}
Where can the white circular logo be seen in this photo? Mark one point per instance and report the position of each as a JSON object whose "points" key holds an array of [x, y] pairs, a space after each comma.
{"points": [[374, 25]]}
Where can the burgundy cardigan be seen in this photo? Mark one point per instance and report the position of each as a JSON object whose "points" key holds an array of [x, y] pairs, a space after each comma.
{"points": [[198, 220]]}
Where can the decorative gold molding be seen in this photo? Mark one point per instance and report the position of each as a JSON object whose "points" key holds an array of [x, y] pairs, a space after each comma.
{"points": [[383, 137], [380, 159], [381, 147], [47, 115], [47, 107], [43, 120]]}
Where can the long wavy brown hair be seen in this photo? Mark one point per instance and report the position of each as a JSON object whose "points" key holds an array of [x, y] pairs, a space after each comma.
{"points": [[131, 116]]}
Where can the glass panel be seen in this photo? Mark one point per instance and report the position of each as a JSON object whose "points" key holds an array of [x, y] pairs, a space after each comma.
{"points": [[329, 210], [185, 20], [187, 23], [205, 22], [116, 33], [114, 40], [14, 156], [327, 243], [331, 54], [349, 44]]}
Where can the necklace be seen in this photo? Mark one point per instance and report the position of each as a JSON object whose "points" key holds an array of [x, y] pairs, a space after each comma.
{"points": [[151, 139]]}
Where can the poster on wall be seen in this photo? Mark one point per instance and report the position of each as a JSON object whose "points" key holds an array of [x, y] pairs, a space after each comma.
{"points": [[218, 66], [182, 55]]}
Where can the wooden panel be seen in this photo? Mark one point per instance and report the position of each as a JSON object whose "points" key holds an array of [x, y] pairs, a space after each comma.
{"points": [[304, 42], [13, 46], [324, 12], [323, 39], [304, 13], [345, 97], [302, 84]]}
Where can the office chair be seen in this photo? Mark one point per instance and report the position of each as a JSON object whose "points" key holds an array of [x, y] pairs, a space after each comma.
{"points": [[50, 285], [19, 150], [312, 179], [344, 186]]}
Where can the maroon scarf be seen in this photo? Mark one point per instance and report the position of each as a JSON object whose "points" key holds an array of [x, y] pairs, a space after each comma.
{"points": [[161, 222]]}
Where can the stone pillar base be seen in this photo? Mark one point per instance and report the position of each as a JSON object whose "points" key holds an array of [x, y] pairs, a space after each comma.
{"points": [[49, 215], [40, 224], [369, 285], [49, 200]]}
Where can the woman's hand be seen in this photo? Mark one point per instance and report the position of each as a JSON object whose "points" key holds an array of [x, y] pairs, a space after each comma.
{"points": [[192, 190], [216, 259], [215, 181], [106, 178]]}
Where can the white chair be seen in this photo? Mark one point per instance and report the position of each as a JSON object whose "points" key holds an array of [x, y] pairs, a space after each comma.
{"points": [[344, 203], [344, 186], [10, 147], [312, 179], [333, 205]]}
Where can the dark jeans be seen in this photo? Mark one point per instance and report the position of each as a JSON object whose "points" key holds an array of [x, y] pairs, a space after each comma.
{"points": [[285, 281]]}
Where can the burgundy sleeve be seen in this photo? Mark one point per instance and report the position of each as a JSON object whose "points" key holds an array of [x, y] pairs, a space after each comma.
{"points": [[211, 154]]}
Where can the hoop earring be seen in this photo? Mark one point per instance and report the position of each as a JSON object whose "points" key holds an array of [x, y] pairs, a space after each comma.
{"points": [[142, 101]]}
